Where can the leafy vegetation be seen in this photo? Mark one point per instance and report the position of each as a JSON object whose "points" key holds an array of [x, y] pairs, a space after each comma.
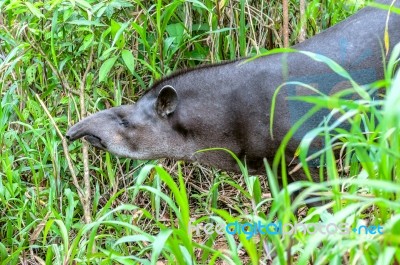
{"points": [[62, 59]]}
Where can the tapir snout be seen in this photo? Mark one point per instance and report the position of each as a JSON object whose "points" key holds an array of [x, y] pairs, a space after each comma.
{"points": [[80, 130], [100, 129]]}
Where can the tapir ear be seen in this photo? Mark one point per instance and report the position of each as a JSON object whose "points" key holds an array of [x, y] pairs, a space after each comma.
{"points": [[167, 100]]}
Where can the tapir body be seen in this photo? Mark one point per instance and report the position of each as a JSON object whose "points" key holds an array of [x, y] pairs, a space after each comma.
{"points": [[228, 105]]}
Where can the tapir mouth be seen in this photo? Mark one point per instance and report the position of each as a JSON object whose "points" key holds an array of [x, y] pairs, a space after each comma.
{"points": [[95, 141]]}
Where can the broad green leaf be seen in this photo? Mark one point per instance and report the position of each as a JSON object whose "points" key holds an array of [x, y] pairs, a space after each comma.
{"points": [[176, 31], [102, 93], [31, 73], [199, 4], [129, 60], [119, 38], [34, 108], [67, 14], [87, 42], [106, 67], [114, 27], [83, 4], [34, 10], [107, 53]]}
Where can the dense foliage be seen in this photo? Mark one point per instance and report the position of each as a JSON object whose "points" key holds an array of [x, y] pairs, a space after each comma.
{"points": [[60, 60]]}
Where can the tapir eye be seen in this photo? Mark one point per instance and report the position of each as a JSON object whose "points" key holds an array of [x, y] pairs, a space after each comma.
{"points": [[124, 123]]}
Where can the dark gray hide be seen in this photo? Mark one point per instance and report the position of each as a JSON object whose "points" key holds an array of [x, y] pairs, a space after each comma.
{"points": [[228, 105]]}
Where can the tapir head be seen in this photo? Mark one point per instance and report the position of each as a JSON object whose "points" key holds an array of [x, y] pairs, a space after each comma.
{"points": [[144, 130]]}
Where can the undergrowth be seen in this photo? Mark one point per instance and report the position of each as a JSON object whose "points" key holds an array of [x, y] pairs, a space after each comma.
{"points": [[61, 59]]}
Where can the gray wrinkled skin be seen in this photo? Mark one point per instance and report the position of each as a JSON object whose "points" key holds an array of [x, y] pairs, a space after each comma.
{"points": [[228, 105]]}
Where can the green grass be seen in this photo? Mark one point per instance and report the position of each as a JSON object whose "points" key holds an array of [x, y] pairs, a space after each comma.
{"points": [[61, 59]]}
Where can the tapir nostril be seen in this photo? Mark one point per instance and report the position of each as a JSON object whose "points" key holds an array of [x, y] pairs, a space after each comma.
{"points": [[70, 136]]}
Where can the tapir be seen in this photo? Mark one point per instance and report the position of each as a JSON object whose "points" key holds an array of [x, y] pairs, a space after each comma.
{"points": [[228, 105]]}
